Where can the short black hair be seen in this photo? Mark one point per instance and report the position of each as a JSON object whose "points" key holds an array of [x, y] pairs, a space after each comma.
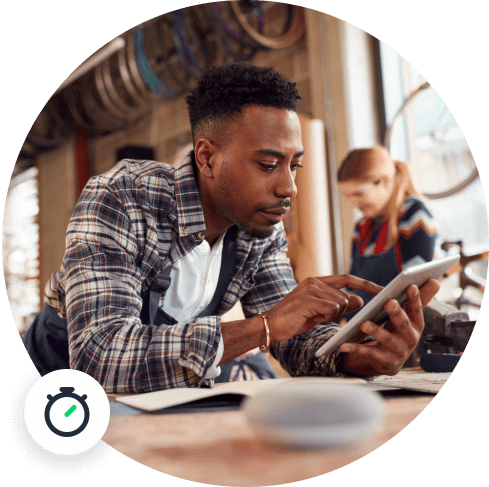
{"points": [[224, 91]]}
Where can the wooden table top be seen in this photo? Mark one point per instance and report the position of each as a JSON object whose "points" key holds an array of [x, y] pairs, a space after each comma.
{"points": [[220, 448]]}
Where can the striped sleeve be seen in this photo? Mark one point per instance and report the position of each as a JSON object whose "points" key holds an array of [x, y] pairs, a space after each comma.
{"points": [[417, 233]]}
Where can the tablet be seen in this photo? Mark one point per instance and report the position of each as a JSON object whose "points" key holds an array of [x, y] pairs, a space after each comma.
{"points": [[374, 310]]}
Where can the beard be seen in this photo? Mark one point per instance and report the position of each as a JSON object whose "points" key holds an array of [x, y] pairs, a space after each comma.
{"points": [[256, 232], [226, 193]]}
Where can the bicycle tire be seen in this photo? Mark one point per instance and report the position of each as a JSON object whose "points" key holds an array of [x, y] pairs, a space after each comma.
{"points": [[178, 18], [102, 114], [116, 89], [405, 103], [72, 98], [147, 73], [459, 187], [166, 62], [132, 64], [112, 100], [196, 27], [127, 81], [63, 110], [237, 35], [180, 46], [472, 176], [289, 38], [103, 94], [222, 31], [237, 56], [165, 35], [100, 121], [95, 124]]}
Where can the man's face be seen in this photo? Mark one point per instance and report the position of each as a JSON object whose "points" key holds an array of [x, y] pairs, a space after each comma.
{"points": [[255, 170]]}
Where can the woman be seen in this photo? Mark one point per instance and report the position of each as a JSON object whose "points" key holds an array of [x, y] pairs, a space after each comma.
{"points": [[397, 229]]}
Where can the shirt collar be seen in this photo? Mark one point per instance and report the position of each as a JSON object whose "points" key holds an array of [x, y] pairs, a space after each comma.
{"points": [[189, 206]]}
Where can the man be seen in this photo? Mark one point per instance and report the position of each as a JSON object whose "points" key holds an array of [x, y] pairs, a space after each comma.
{"points": [[146, 227]]}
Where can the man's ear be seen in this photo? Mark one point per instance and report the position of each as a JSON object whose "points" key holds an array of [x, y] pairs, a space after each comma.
{"points": [[205, 152]]}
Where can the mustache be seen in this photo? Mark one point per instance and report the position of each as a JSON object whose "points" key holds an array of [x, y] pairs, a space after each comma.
{"points": [[279, 204]]}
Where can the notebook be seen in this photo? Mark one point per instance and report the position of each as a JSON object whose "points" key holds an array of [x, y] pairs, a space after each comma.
{"points": [[221, 397]]}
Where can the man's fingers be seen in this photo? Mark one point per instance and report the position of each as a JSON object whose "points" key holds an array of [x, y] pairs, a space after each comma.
{"points": [[330, 294], [353, 282], [428, 291], [415, 307], [384, 362], [401, 324], [383, 337]]}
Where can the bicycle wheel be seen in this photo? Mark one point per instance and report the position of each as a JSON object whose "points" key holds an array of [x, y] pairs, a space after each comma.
{"points": [[169, 56], [116, 88], [132, 63], [102, 121], [192, 27], [274, 36], [71, 107], [233, 40], [426, 133], [151, 80], [105, 96]]}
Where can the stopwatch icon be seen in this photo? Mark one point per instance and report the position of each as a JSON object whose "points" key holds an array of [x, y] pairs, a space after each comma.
{"points": [[67, 420], [67, 414]]}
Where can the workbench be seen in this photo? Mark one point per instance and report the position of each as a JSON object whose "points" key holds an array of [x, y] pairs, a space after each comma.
{"points": [[220, 448]]}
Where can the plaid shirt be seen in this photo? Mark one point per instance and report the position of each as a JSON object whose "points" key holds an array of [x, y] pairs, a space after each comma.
{"points": [[129, 224]]}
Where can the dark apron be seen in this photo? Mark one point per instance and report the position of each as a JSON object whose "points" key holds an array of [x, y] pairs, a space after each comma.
{"points": [[378, 268], [46, 340]]}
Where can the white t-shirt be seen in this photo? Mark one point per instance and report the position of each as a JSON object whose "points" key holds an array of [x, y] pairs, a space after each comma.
{"points": [[194, 280]]}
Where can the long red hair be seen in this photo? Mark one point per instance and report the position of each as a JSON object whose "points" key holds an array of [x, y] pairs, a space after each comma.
{"points": [[367, 165]]}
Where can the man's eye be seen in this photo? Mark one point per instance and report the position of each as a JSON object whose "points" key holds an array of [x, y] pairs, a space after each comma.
{"points": [[267, 167], [272, 167]]}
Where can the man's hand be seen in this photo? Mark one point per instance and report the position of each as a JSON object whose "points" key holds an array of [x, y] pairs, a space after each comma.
{"points": [[315, 300], [394, 343]]}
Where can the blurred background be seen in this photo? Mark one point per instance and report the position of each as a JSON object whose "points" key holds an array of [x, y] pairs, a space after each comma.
{"points": [[128, 100]]}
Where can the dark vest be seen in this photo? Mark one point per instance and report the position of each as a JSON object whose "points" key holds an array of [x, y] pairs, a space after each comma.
{"points": [[46, 340]]}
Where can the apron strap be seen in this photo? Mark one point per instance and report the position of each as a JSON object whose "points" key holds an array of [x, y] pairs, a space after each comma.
{"points": [[154, 315], [228, 261], [150, 308]]}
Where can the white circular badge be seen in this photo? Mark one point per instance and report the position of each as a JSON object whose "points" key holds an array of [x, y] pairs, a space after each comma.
{"points": [[67, 412]]}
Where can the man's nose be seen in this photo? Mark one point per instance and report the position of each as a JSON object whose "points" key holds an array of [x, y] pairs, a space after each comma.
{"points": [[285, 187]]}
